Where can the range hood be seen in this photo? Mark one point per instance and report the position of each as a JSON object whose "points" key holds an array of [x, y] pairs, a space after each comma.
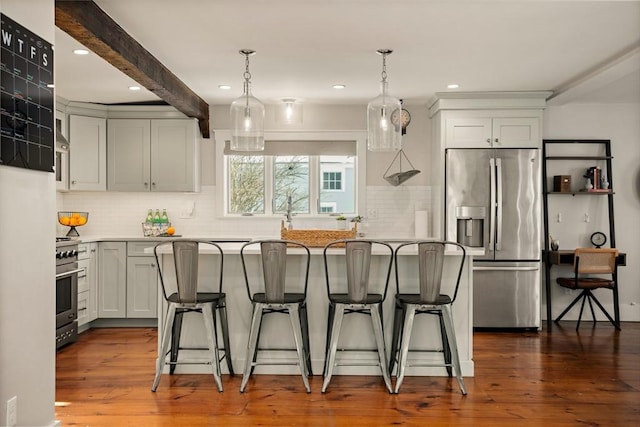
{"points": [[60, 139]]}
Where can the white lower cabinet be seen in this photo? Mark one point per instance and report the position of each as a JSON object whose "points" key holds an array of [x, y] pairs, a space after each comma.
{"points": [[87, 283], [142, 281], [112, 279], [128, 281]]}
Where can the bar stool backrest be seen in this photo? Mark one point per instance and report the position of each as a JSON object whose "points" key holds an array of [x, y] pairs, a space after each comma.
{"points": [[430, 259], [274, 267], [358, 254], [185, 255], [185, 261], [358, 258], [273, 256], [430, 262]]}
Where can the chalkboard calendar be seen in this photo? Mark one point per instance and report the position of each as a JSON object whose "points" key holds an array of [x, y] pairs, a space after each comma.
{"points": [[27, 116]]}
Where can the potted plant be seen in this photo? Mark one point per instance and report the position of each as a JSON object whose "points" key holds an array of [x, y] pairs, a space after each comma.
{"points": [[341, 222], [358, 219]]}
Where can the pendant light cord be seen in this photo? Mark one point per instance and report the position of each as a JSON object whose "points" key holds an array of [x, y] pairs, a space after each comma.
{"points": [[384, 67]]}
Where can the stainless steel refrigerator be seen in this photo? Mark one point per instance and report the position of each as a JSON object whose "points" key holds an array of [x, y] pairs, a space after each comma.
{"points": [[493, 201]]}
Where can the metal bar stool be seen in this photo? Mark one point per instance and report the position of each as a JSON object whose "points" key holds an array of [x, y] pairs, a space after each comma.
{"points": [[427, 299], [276, 294], [187, 299], [356, 296]]}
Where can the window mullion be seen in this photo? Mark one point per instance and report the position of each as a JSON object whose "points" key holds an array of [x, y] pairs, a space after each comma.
{"points": [[314, 184], [269, 164]]}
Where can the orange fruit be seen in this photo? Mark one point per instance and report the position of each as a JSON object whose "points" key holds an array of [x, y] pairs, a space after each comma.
{"points": [[82, 220], [171, 231], [65, 220], [75, 215], [73, 221]]}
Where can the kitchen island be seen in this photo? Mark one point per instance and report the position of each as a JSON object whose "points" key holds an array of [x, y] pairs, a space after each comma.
{"points": [[356, 329]]}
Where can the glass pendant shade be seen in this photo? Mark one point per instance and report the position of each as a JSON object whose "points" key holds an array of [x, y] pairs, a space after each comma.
{"points": [[247, 123], [247, 117], [383, 135]]}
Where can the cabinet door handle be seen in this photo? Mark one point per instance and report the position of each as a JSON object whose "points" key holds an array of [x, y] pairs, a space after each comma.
{"points": [[497, 141], [488, 140], [153, 184], [146, 184], [73, 182]]}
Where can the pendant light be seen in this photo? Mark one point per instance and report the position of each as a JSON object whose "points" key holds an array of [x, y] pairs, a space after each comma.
{"points": [[247, 116], [383, 133]]}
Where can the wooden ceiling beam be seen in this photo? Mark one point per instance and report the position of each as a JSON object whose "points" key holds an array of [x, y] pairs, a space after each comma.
{"points": [[91, 26]]}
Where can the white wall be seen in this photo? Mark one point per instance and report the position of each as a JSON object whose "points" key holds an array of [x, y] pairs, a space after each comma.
{"points": [[619, 123], [27, 267], [121, 214]]}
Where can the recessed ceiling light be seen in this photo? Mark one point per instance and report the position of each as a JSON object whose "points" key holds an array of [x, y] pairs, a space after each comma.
{"points": [[81, 52], [453, 86], [224, 87], [339, 86], [134, 87]]}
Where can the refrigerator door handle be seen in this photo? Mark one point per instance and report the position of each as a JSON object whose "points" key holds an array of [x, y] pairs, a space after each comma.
{"points": [[499, 204], [506, 268], [492, 203]]}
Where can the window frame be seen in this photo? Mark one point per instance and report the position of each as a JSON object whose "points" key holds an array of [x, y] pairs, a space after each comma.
{"points": [[359, 137]]}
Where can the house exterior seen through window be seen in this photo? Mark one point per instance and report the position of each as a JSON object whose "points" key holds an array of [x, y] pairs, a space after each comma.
{"points": [[263, 184]]}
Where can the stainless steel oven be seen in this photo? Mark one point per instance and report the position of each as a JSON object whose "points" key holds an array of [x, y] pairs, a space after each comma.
{"points": [[66, 292]]}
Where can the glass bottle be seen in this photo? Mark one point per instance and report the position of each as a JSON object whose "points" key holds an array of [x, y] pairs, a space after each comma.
{"points": [[156, 217], [164, 219], [149, 219]]}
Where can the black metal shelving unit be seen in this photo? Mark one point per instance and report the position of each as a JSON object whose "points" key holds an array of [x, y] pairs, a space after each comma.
{"points": [[607, 158]]}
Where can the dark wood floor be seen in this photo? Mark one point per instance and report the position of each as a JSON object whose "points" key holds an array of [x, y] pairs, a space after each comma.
{"points": [[562, 378]]}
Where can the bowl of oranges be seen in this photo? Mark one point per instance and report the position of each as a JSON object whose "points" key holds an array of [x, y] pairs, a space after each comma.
{"points": [[73, 220]]}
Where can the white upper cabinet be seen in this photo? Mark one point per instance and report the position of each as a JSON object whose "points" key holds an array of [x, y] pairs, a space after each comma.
{"points": [[87, 153], [129, 154], [153, 155], [497, 132]]}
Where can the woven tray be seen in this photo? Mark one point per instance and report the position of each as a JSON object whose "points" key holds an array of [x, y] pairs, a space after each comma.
{"points": [[317, 238]]}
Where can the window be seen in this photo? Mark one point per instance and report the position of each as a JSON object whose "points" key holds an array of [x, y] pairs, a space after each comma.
{"points": [[246, 184], [319, 176], [332, 180]]}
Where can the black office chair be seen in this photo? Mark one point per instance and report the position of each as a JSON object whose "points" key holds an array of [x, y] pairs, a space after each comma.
{"points": [[271, 292], [589, 261], [425, 298]]}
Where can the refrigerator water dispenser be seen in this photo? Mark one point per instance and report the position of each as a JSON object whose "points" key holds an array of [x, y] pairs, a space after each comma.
{"points": [[470, 225]]}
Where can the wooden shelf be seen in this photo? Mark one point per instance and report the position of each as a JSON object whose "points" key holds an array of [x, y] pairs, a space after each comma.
{"points": [[579, 193], [578, 157]]}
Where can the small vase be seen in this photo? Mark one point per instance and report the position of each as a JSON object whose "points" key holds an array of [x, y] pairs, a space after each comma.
{"points": [[588, 185], [341, 224]]}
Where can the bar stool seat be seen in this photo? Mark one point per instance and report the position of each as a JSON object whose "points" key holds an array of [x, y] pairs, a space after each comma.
{"points": [[361, 296], [187, 299], [427, 299], [271, 293]]}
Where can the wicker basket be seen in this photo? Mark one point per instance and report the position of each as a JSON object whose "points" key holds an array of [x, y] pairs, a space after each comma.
{"points": [[317, 238]]}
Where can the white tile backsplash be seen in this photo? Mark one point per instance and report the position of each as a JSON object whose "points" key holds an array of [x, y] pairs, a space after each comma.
{"points": [[120, 214]]}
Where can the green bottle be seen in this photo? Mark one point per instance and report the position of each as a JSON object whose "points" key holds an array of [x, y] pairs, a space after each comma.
{"points": [[149, 219], [156, 217], [164, 219]]}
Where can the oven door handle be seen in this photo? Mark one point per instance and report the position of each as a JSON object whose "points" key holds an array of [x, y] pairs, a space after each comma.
{"points": [[68, 273]]}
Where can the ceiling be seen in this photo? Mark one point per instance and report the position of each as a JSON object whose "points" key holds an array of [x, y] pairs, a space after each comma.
{"points": [[584, 51]]}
